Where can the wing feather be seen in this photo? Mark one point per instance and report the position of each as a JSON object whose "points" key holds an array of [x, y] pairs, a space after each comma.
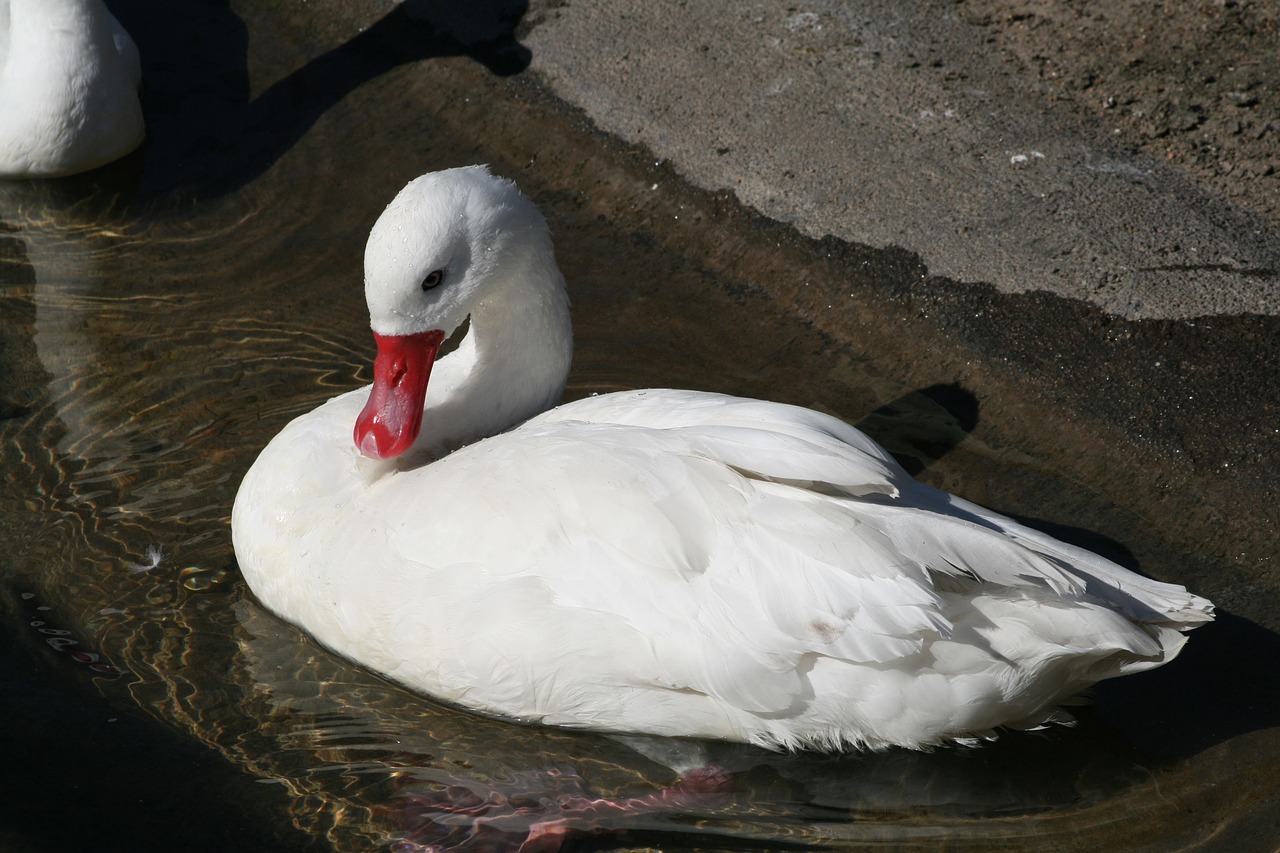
{"points": [[693, 549]]}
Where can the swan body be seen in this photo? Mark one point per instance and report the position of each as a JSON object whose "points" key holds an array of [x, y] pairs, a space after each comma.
{"points": [[69, 77], [659, 561]]}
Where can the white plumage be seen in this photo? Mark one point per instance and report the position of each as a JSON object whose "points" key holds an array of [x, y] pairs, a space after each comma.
{"points": [[660, 561], [69, 77]]}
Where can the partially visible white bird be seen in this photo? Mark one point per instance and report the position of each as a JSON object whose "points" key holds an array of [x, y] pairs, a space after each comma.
{"points": [[69, 77], [666, 562]]}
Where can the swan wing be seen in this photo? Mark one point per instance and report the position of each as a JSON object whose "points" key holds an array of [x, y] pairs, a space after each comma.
{"points": [[768, 440], [638, 545], [1091, 575], [637, 557]]}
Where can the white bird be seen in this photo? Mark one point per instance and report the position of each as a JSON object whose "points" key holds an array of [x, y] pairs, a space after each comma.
{"points": [[69, 77], [665, 562]]}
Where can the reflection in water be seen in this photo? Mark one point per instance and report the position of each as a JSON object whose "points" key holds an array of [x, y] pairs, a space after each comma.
{"points": [[147, 357], [538, 811], [44, 627], [209, 133]]}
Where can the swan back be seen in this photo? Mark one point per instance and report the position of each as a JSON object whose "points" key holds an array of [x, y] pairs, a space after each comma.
{"points": [[477, 231]]}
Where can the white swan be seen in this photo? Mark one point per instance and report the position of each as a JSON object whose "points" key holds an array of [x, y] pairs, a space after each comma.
{"points": [[665, 562], [69, 77]]}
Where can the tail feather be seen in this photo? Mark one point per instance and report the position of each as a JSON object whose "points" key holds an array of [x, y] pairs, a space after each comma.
{"points": [[1145, 600]]}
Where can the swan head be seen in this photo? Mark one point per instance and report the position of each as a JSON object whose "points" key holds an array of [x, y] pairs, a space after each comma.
{"points": [[447, 242], [439, 247]]}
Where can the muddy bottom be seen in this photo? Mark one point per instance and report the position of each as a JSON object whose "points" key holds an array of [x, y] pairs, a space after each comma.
{"points": [[160, 321]]}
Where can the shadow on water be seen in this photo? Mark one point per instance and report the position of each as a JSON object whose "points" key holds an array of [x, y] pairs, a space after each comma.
{"points": [[207, 135], [1222, 687], [68, 753], [919, 428]]}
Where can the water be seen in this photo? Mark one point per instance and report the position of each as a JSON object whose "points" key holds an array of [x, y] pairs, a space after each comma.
{"points": [[158, 325]]}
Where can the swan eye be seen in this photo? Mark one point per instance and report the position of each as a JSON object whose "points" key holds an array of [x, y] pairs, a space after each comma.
{"points": [[433, 280]]}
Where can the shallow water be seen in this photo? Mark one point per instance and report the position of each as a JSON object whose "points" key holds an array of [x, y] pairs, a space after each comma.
{"points": [[160, 322]]}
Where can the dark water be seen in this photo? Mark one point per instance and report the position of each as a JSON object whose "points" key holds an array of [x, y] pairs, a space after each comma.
{"points": [[160, 321]]}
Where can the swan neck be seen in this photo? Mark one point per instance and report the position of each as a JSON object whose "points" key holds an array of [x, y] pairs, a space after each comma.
{"points": [[511, 365]]}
